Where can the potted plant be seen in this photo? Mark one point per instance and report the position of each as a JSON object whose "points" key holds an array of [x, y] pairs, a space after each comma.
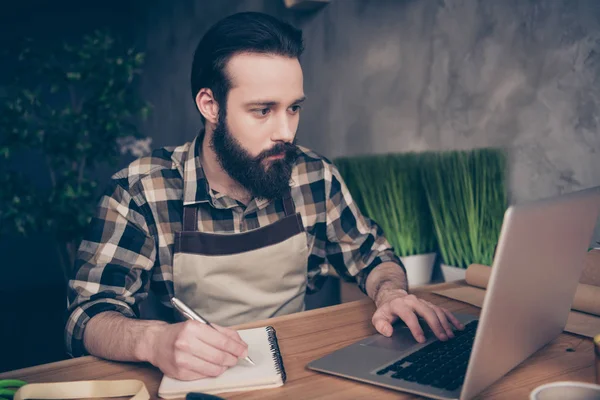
{"points": [[389, 191], [70, 110], [466, 194]]}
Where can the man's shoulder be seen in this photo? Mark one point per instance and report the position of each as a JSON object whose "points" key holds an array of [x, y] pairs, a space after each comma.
{"points": [[161, 162], [314, 159], [312, 168]]}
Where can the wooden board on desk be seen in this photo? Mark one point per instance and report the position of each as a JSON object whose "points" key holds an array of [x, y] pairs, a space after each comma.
{"points": [[591, 268], [306, 336]]}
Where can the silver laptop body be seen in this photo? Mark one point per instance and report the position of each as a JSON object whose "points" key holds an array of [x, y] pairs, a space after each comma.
{"points": [[538, 263]]}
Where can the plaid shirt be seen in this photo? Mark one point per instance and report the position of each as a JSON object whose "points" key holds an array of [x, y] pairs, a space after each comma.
{"points": [[128, 248]]}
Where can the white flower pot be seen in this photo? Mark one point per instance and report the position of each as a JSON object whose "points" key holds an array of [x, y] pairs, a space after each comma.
{"points": [[418, 268], [453, 273]]}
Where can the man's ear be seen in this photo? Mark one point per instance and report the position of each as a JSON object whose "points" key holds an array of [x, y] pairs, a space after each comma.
{"points": [[207, 105]]}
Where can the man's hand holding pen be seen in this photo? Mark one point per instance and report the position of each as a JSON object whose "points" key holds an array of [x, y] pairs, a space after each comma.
{"points": [[192, 350]]}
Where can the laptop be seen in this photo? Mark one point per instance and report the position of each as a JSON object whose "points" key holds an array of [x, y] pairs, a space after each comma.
{"points": [[536, 269]]}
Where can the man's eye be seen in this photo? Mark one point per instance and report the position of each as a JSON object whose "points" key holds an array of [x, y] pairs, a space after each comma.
{"points": [[262, 111], [295, 109]]}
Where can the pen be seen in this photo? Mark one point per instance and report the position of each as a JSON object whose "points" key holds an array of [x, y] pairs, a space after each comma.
{"points": [[191, 314]]}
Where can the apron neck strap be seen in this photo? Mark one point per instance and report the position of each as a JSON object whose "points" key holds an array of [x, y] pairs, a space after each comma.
{"points": [[190, 218], [288, 204], [190, 213]]}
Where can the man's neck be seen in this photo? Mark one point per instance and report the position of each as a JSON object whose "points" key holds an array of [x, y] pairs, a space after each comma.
{"points": [[218, 179]]}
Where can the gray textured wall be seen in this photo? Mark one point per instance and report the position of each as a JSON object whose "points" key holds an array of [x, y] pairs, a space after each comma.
{"points": [[396, 75]]}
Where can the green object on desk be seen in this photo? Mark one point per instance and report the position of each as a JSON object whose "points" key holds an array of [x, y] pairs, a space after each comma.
{"points": [[8, 387]]}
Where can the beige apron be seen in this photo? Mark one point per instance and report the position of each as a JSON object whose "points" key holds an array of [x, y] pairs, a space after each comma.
{"points": [[231, 279]]}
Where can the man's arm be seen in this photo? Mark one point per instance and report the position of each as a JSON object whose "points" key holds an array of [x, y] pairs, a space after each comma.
{"points": [[113, 266], [357, 247], [112, 336], [386, 277], [355, 244], [186, 351]]}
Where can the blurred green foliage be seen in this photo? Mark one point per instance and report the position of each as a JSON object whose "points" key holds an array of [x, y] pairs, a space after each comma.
{"points": [[66, 108]]}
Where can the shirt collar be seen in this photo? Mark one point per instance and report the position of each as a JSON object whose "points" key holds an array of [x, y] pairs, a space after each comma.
{"points": [[195, 185]]}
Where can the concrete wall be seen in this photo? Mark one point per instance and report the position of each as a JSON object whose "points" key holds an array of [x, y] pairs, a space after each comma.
{"points": [[397, 75]]}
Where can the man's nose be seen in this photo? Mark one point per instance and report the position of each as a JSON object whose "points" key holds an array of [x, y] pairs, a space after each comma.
{"points": [[283, 130]]}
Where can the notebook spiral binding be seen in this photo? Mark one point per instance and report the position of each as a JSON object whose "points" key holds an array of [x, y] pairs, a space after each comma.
{"points": [[276, 353]]}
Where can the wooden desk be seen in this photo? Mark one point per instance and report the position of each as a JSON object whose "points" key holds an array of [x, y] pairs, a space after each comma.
{"points": [[307, 336]]}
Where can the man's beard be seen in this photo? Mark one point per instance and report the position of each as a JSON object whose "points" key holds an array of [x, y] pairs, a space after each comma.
{"points": [[262, 178]]}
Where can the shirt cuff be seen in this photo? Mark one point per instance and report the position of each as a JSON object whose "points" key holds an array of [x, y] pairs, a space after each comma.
{"points": [[78, 318], [386, 256]]}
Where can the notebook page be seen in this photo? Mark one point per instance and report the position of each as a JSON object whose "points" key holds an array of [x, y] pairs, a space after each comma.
{"points": [[241, 376]]}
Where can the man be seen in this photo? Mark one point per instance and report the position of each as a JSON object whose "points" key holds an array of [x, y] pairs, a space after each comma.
{"points": [[238, 223]]}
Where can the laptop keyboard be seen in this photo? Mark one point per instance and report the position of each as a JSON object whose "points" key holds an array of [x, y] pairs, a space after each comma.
{"points": [[440, 364]]}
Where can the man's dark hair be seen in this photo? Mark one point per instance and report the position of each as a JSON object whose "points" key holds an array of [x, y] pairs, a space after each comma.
{"points": [[248, 32]]}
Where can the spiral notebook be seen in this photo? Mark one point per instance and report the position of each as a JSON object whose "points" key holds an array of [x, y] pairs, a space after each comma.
{"points": [[268, 372]]}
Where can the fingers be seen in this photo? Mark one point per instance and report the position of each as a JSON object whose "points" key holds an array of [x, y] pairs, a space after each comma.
{"points": [[213, 355], [445, 317], [432, 319], [233, 334], [443, 320], [382, 325], [382, 321], [194, 331], [407, 308], [410, 319], [453, 319], [200, 351], [402, 308], [221, 341], [189, 367]]}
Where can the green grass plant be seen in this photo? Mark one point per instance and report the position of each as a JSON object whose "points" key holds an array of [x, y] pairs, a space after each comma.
{"points": [[466, 193], [388, 189]]}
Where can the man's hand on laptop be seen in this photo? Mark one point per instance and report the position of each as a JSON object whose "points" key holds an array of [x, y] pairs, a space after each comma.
{"points": [[397, 303]]}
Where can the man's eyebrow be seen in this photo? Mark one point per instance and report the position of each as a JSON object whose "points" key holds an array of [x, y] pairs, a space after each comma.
{"points": [[267, 103], [271, 103], [299, 100]]}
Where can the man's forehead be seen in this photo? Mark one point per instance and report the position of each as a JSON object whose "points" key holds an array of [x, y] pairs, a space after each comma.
{"points": [[265, 75]]}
